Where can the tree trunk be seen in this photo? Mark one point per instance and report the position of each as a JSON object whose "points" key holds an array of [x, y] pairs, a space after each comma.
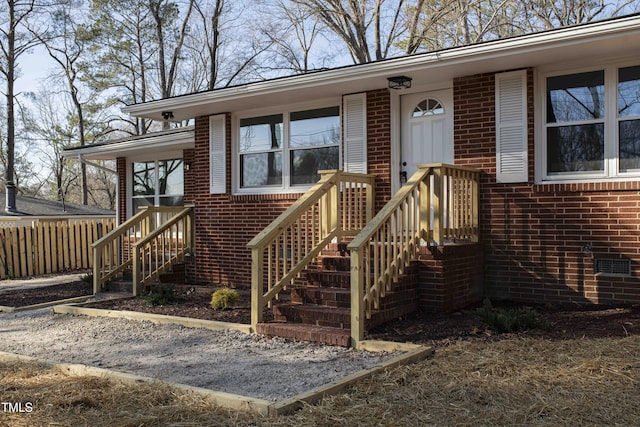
{"points": [[10, 187]]}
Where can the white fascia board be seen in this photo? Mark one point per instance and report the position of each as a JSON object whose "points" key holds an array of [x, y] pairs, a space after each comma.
{"points": [[488, 51], [178, 140]]}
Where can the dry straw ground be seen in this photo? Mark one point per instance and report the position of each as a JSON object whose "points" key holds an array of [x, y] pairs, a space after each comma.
{"points": [[513, 381]]}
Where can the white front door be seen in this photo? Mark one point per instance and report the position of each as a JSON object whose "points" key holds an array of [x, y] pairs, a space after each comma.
{"points": [[427, 130]]}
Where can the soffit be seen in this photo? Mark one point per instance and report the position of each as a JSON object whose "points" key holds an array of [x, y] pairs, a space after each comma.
{"points": [[174, 140]]}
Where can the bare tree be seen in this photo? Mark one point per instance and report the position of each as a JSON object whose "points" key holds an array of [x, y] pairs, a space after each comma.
{"points": [[368, 29], [102, 190], [551, 14], [210, 20], [164, 15], [293, 33], [67, 43], [15, 40], [225, 45], [52, 128]]}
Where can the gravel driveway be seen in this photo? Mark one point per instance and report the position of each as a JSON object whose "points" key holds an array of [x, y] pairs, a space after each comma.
{"points": [[230, 361]]}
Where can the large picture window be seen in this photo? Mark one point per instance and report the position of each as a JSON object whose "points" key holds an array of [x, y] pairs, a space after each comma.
{"points": [[592, 124], [157, 183], [629, 118], [287, 150]]}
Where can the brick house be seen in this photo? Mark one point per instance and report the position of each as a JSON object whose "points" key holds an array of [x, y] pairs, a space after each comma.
{"points": [[550, 120]]}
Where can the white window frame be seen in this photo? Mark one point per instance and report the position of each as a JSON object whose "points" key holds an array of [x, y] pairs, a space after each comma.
{"points": [[169, 155], [611, 142], [286, 187]]}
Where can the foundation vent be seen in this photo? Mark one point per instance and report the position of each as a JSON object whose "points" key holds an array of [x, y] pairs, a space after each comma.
{"points": [[613, 266]]}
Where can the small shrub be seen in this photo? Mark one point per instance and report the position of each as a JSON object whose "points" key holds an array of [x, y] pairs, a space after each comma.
{"points": [[223, 298], [162, 294], [510, 320]]}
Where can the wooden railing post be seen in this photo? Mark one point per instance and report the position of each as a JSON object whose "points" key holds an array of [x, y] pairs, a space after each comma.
{"points": [[424, 190], [370, 202], [97, 269], [438, 217], [123, 246], [336, 212], [257, 285], [475, 227], [357, 296], [136, 269]]}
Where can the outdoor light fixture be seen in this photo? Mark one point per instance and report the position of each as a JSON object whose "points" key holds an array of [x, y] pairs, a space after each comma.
{"points": [[167, 115], [399, 82]]}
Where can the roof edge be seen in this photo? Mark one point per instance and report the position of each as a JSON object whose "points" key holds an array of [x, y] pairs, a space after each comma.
{"points": [[526, 42]]}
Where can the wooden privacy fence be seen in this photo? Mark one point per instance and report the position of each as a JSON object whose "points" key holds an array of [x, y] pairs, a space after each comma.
{"points": [[50, 247]]}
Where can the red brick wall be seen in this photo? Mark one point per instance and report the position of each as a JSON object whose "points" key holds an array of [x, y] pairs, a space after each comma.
{"points": [[450, 277], [188, 157], [226, 223], [379, 143], [534, 235]]}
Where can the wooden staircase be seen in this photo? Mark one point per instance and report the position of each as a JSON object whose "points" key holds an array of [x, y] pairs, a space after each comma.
{"points": [[438, 204], [176, 275], [147, 244], [319, 309]]}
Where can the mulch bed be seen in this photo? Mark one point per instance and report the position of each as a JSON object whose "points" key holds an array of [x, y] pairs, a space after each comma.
{"points": [[25, 297], [568, 321], [193, 301]]}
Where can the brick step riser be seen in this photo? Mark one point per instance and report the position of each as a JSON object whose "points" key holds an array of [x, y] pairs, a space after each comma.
{"points": [[318, 335], [312, 316], [322, 296], [316, 322], [329, 279], [119, 286], [336, 263], [331, 297], [173, 277], [343, 281]]}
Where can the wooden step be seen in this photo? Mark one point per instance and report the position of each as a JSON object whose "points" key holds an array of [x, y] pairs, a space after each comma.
{"points": [[302, 332]]}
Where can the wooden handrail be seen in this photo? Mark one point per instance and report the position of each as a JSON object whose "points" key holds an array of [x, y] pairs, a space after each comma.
{"points": [[339, 205], [162, 249], [109, 247], [327, 180], [439, 203], [120, 244]]}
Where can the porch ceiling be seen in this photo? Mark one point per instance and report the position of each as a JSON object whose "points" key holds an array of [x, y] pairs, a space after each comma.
{"points": [[616, 38]]}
